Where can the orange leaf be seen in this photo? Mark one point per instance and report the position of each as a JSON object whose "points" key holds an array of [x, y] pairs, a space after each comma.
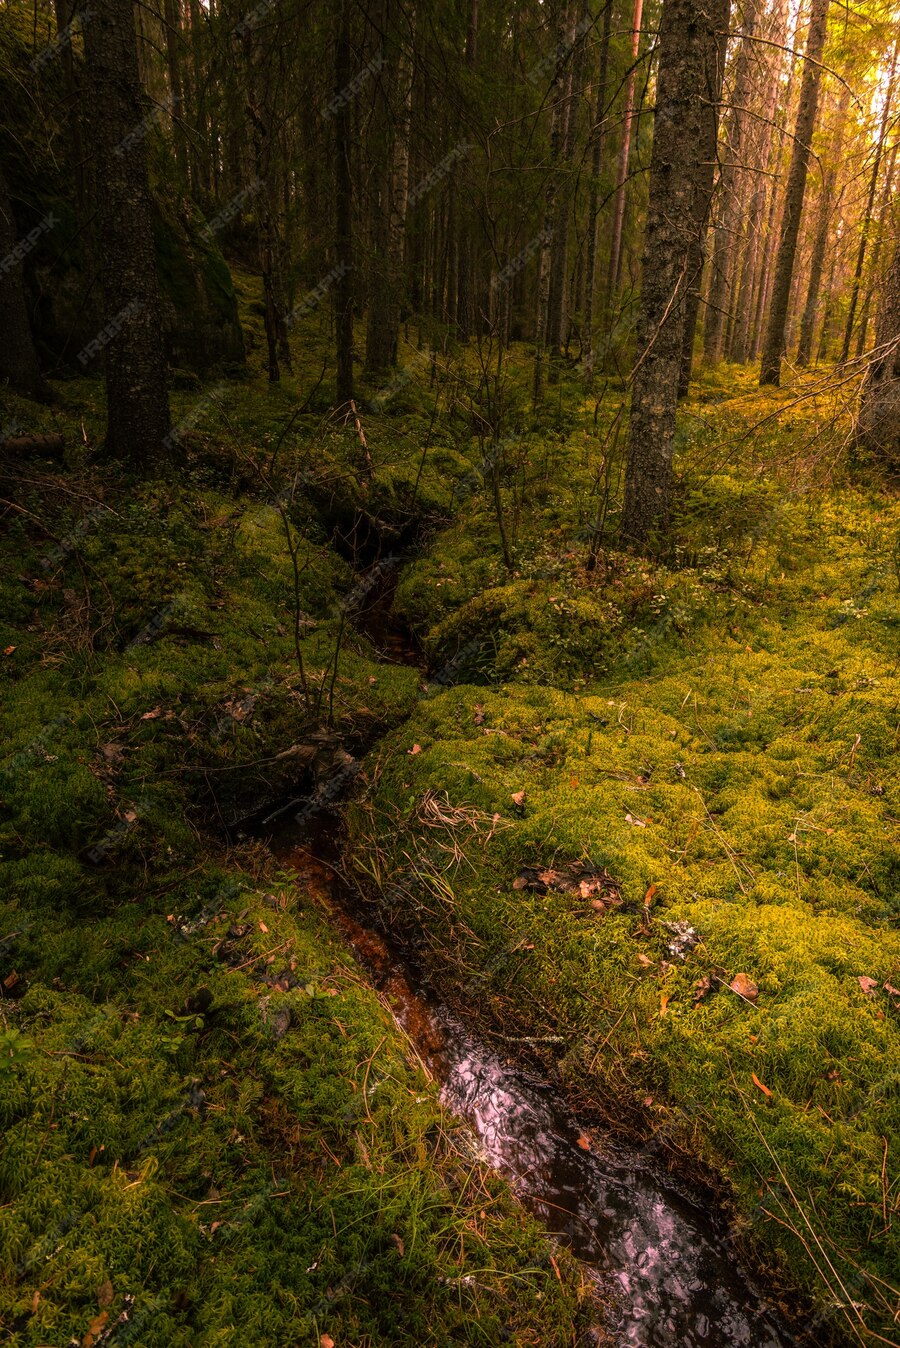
{"points": [[263, 927], [584, 1142], [756, 1081], [326, 1341]]}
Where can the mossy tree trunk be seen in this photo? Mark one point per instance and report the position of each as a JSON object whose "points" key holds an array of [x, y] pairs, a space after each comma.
{"points": [[688, 31], [132, 337]]}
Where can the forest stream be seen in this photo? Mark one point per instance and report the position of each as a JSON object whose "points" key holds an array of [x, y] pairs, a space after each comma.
{"points": [[662, 1259]]}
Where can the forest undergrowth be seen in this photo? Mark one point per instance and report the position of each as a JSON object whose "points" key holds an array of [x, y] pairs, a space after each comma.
{"points": [[211, 1121]]}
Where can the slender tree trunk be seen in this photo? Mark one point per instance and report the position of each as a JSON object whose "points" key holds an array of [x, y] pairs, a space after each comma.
{"points": [[773, 350], [870, 203], [18, 359], [883, 208], [136, 393], [558, 318], [550, 195], [710, 96], [615, 251], [172, 26], [820, 242], [344, 288], [731, 204], [878, 427], [597, 145], [688, 28]]}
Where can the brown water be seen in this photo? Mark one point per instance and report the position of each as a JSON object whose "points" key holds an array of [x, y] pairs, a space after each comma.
{"points": [[664, 1262]]}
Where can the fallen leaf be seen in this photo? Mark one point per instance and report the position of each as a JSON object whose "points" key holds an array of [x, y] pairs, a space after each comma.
{"points": [[891, 990], [648, 897], [518, 798], [701, 988], [867, 984], [637, 823], [416, 749], [326, 1341], [9, 650], [105, 1293], [745, 987], [756, 1081], [94, 1328], [398, 1242], [584, 1142], [263, 927], [664, 1003], [152, 715], [645, 960]]}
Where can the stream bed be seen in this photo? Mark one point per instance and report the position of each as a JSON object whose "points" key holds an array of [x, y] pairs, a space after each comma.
{"points": [[663, 1262]]}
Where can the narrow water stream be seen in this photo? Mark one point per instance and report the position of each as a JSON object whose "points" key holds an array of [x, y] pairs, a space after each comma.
{"points": [[664, 1262]]}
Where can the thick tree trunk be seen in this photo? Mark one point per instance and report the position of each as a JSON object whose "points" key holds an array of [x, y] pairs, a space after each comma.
{"points": [[878, 427], [773, 350], [688, 28], [18, 359], [710, 96], [136, 393]]}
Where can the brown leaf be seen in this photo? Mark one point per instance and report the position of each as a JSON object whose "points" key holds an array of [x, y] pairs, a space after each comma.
{"points": [[105, 1293], [664, 1003], [745, 987], [584, 1142], [9, 650], [756, 1081], [891, 990], [518, 798], [701, 988], [152, 715], [645, 960], [634, 821], [398, 1242], [94, 1328], [326, 1341], [867, 984], [648, 897]]}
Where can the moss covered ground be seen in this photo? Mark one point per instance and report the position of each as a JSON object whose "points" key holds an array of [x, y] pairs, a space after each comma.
{"points": [[715, 734], [211, 1124]]}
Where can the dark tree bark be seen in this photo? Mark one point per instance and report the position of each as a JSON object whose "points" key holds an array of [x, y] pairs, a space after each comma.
{"points": [[18, 359], [870, 204], [615, 247], [710, 96], [136, 394], [597, 143], [344, 289], [820, 242], [688, 28], [878, 427], [773, 349]]}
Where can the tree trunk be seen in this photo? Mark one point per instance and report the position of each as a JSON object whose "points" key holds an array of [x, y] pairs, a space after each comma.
{"points": [[710, 98], [878, 428], [136, 393], [615, 253], [18, 359], [773, 350], [597, 142], [550, 194], [344, 296], [870, 203], [688, 28], [820, 242]]}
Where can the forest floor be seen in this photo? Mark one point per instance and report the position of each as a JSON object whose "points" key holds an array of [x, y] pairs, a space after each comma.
{"points": [[206, 1106]]}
